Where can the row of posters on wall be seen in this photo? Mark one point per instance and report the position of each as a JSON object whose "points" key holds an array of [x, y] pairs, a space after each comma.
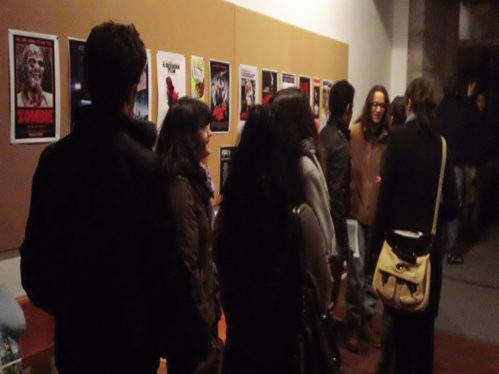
{"points": [[35, 87]]}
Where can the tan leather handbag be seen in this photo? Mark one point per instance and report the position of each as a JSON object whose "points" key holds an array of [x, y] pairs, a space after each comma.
{"points": [[402, 281]]}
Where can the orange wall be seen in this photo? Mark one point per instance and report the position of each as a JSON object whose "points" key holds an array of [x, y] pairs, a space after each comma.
{"points": [[209, 28]]}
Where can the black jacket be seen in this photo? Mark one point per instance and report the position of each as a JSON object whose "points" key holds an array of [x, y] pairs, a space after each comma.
{"points": [[450, 122], [335, 138], [98, 251], [189, 201], [408, 192]]}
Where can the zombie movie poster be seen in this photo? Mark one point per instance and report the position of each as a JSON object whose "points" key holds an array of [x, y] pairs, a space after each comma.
{"points": [[141, 109], [171, 81], [248, 87], [316, 101], [78, 92], [305, 85], [269, 84], [197, 78], [326, 88], [288, 80], [219, 96], [34, 87], [225, 157]]}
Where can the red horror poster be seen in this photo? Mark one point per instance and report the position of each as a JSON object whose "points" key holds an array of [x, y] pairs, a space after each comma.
{"points": [[34, 87], [219, 96]]}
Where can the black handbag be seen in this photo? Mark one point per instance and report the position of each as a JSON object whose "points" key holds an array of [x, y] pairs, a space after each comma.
{"points": [[318, 350]]}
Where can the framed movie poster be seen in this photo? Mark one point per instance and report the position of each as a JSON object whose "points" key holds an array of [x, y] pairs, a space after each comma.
{"points": [[197, 78], [288, 80], [326, 88], [225, 157], [220, 96], [305, 85], [171, 81], [269, 84], [78, 91], [142, 107], [248, 88], [316, 102], [34, 87]]}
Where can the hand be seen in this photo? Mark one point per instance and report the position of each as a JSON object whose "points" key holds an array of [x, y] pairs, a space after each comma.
{"points": [[471, 89]]}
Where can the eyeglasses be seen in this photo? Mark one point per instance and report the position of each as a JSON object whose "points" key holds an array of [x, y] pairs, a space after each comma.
{"points": [[381, 106]]}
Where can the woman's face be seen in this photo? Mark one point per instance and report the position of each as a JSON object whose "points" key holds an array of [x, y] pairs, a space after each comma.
{"points": [[204, 134], [378, 107]]}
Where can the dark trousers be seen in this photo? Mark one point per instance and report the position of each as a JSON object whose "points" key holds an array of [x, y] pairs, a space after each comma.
{"points": [[414, 341]]}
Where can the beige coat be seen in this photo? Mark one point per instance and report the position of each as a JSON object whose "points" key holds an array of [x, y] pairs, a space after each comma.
{"points": [[366, 161]]}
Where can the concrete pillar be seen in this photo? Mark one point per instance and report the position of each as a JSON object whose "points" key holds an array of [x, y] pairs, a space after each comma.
{"points": [[432, 48]]}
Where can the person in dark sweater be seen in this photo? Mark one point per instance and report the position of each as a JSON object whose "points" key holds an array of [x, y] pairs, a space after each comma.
{"points": [[98, 253], [335, 138], [406, 202], [257, 252]]}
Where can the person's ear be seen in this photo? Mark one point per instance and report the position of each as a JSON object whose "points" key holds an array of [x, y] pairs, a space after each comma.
{"points": [[130, 101], [408, 107], [133, 94]]}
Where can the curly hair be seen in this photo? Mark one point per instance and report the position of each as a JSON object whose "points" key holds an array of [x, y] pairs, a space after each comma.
{"points": [[113, 62], [341, 94]]}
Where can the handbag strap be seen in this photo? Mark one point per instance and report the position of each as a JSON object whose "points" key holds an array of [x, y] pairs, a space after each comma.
{"points": [[298, 236], [440, 183]]}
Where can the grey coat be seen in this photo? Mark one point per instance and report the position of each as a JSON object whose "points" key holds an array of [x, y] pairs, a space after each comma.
{"points": [[316, 193]]}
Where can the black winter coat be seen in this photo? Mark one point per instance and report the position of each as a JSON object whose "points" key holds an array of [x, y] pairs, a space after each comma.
{"points": [[193, 238], [408, 192], [335, 138], [450, 122], [98, 251]]}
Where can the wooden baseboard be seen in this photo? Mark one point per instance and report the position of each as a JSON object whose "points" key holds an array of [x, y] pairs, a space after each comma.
{"points": [[38, 339]]}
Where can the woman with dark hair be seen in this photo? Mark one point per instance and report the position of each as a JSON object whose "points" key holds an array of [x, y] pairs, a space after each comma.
{"points": [[296, 105], [256, 250], [397, 112], [367, 144], [406, 204], [182, 145]]}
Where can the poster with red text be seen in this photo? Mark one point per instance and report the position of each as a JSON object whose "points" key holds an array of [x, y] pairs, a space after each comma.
{"points": [[34, 87], [316, 101], [171, 81], [219, 96], [248, 87]]}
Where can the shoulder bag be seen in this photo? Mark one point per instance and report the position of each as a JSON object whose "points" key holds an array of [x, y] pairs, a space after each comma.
{"points": [[401, 280]]}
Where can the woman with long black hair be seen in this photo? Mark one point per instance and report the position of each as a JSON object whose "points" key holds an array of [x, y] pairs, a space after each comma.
{"points": [[406, 204], [256, 249], [182, 145]]}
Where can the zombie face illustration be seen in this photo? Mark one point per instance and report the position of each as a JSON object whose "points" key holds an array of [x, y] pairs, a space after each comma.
{"points": [[34, 67]]}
